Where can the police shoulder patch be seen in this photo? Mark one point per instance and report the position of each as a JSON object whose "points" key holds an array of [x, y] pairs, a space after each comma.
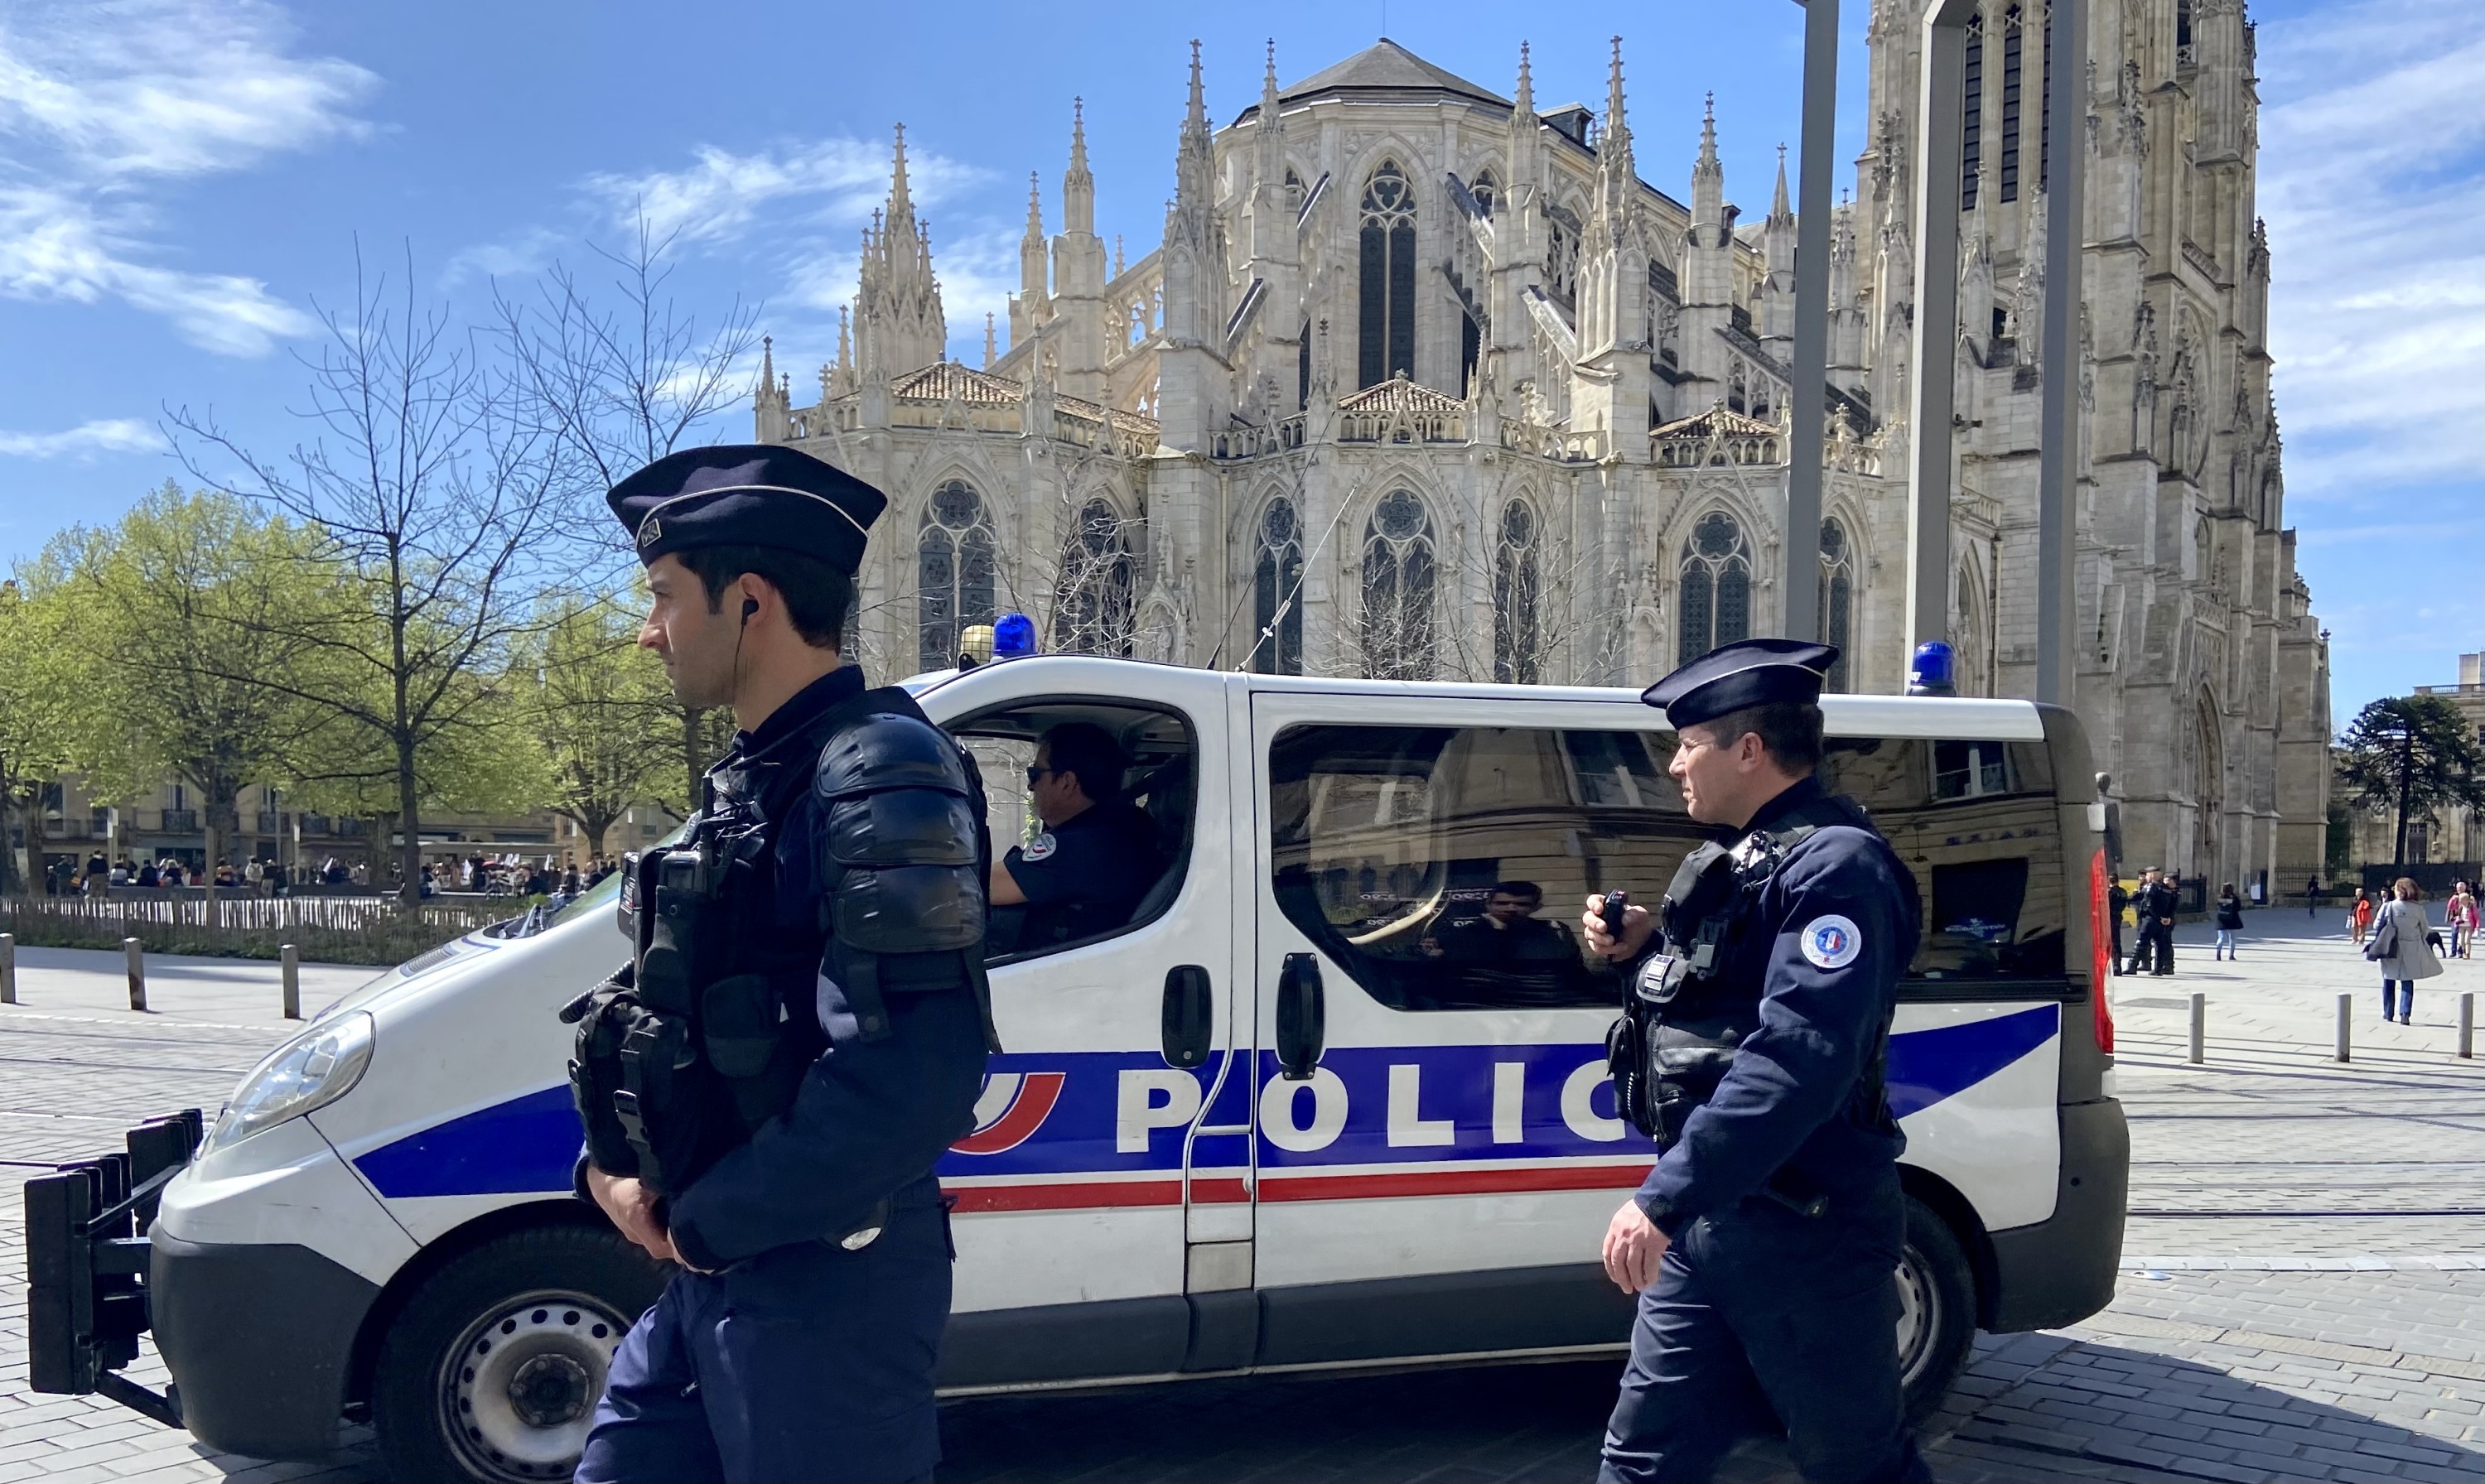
{"points": [[1041, 848], [1831, 941]]}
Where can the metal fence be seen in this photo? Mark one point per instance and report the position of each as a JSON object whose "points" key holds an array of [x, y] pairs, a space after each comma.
{"points": [[362, 929]]}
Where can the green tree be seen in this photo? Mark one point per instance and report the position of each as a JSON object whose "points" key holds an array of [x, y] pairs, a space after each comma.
{"points": [[190, 609], [601, 713], [37, 718], [2409, 756]]}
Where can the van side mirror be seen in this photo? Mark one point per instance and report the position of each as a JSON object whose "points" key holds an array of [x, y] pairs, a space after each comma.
{"points": [[1303, 1017], [1188, 1006]]}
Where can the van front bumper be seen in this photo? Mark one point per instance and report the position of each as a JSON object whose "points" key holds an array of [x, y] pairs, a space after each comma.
{"points": [[223, 1310]]}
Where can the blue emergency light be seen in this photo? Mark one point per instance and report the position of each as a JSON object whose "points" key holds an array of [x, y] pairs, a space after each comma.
{"points": [[1933, 670], [1013, 636]]}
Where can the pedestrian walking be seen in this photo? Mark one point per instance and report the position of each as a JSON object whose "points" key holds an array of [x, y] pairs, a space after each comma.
{"points": [[2117, 902], [2312, 898], [2403, 946], [1762, 1245], [2462, 910], [2359, 917], [2231, 921]]}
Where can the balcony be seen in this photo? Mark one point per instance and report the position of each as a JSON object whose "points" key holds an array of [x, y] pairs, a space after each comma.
{"points": [[269, 822], [178, 822]]}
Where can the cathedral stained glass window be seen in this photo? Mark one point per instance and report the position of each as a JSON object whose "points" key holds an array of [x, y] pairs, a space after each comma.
{"points": [[1386, 342], [1399, 579], [1562, 257], [1836, 595], [1518, 642], [1716, 587], [1971, 136], [1276, 583], [954, 572], [2013, 33], [1092, 606]]}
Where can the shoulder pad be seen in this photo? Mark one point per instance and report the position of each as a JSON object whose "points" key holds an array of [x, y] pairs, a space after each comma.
{"points": [[884, 751]]}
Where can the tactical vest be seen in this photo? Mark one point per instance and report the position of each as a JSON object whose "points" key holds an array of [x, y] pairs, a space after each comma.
{"points": [[1691, 1006], [708, 1032]]}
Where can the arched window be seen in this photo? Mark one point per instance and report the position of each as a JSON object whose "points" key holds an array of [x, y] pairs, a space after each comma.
{"points": [[1294, 191], [2012, 31], [2183, 31], [1716, 587], [1972, 123], [953, 572], [1487, 191], [1398, 582], [1837, 597], [1518, 641], [1387, 339], [1276, 581], [1562, 257], [1303, 368], [1091, 611]]}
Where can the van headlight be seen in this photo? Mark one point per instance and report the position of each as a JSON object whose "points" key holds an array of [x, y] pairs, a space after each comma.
{"points": [[311, 1071]]}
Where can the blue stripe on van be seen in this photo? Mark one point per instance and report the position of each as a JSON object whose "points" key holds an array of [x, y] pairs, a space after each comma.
{"points": [[525, 1145], [528, 1143]]}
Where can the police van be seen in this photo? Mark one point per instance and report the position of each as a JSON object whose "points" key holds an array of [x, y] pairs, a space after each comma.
{"points": [[1296, 1114]]}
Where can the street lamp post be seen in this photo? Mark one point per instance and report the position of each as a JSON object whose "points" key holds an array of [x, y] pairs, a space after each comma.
{"points": [[1807, 412]]}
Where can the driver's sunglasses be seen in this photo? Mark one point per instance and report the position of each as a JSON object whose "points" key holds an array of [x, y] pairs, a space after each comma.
{"points": [[1036, 775]]}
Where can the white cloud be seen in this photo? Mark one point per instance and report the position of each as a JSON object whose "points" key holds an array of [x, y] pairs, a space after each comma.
{"points": [[2370, 184], [526, 252], [104, 435], [97, 101], [722, 195]]}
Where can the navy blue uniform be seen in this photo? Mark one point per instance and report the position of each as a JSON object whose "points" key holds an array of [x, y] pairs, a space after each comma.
{"points": [[1085, 875], [794, 1356], [1758, 1309]]}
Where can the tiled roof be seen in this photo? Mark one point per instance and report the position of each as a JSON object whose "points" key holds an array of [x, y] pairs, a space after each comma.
{"points": [[1399, 394], [942, 380], [1385, 68], [1081, 407], [1716, 420]]}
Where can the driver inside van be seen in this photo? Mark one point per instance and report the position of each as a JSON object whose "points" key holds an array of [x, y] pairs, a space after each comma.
{"points": [[1509, 950], [1096, 855]]}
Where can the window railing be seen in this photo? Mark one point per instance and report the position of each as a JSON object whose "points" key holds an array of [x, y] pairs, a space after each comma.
{"points": [[178, 822]]}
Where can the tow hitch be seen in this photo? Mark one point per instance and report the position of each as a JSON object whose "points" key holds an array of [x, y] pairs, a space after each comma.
{"points": [[86, 1264]]}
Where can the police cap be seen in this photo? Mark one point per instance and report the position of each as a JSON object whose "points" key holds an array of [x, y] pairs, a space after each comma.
{"points": [[747, 494], [1749, 672]]}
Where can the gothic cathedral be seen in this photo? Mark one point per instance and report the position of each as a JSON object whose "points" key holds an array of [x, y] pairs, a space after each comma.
{"points": [[1426, 383]]}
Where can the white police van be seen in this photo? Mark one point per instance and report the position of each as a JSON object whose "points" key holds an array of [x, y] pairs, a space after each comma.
{"points": [[1286, 1119]]}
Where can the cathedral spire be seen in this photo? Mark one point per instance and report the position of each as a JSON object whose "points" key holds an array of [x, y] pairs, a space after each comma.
{"points": [[992, 342], [1077, 186], [1613, 149], [899, 324], [1778, 207], [1196, 119], [1271, 138], [901, 202], [1707, 177], [1525, 101]]}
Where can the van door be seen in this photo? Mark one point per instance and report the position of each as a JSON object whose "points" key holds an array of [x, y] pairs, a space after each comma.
{"points": [[1436, 1179], [1075, 1201]]}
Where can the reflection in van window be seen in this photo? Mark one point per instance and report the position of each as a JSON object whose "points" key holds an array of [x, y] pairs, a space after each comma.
{"points": [[1443, 867]]}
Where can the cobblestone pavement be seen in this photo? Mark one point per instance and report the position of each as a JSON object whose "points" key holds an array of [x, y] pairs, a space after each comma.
{"points": [[2304, 1295]]}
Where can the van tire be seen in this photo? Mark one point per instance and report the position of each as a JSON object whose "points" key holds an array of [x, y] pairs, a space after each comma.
{"points": [[560, 1296], [1937, 1322]]}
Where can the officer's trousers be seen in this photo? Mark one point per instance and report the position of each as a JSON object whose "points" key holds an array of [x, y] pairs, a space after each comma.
{"points": [[807, 1363], [1762, 1316]]}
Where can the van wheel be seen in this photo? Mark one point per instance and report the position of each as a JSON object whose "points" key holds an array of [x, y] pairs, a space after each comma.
{"points": [[1936, 1309], [492, 1370]]}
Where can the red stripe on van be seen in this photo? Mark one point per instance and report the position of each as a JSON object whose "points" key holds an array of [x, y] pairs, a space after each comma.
{"points": [[1452, 1182]]}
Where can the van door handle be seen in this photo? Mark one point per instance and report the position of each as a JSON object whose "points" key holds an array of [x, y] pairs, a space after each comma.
{"points": [[1186, 1009], [1303, 1017]]}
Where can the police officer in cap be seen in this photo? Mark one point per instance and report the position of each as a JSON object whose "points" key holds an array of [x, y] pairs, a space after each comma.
{"points": [[1763, 1244], [802, 1030]]}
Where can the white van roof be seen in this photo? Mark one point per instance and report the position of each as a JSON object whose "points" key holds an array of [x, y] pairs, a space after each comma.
{"points": [[1844, 714]]}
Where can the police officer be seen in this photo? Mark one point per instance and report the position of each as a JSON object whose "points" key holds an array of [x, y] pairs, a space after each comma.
{"points": [[1096, 856], [1763, 1244], [802, 1031]]}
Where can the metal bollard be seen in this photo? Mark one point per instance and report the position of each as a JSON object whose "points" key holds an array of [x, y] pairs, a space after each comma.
{"points": [[137, 957], [8, 968], [2346, 1016], [290, 957], [2467, 1019], [2200, 1027]]}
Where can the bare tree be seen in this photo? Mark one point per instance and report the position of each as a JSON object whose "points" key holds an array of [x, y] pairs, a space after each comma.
{"points": [[443, 505]]}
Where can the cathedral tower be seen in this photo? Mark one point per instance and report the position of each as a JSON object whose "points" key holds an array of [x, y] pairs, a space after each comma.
{"points": [[898, 323]]}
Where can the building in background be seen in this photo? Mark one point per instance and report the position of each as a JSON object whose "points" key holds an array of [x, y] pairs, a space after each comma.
{"points": [[2451, 842], [1423, 381]]}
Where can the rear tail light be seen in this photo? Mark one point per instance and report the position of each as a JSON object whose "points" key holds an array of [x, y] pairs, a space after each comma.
{"points": [[2100, 951]]}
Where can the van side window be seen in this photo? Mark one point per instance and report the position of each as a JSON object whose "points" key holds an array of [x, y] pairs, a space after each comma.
{"points": [[1118, 865], [1978, 824], [1444, 867]]}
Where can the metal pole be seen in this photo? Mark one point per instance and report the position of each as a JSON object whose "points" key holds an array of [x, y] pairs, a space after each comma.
{"points": [[2058, 432], [1806, 418], [136, 958], [2199, 1011], [1933, 349], [290, 957], [2345, 1017], [8, 968], [2467, 1019]]}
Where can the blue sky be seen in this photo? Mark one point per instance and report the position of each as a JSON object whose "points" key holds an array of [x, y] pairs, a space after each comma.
{"points": [[182, 185]]}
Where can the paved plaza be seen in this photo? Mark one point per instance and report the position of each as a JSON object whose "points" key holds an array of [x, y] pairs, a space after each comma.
{"points": [[2304, 1293]]}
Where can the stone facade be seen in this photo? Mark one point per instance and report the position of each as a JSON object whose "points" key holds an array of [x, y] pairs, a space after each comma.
{"points": [[1423, 381]]}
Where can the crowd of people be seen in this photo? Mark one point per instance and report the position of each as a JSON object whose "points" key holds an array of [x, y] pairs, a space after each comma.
{"points": [[101, 874], [559, 882]]}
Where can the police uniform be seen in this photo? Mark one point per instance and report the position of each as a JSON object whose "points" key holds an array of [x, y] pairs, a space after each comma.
{"points": [[1753, 1052], [799, 1037], [1085, 875]]}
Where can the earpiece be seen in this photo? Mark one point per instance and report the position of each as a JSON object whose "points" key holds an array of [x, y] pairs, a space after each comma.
{"points": [[750, 606]]}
